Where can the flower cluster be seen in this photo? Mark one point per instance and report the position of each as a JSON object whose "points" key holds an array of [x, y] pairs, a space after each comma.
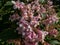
{"points": [[31, 15], [53, 32]]}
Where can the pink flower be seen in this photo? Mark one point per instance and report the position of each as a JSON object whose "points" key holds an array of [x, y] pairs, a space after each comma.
{"points": [[50, 20], [30, 36], [50, 2], [14, 17], [54, 18], [17, 4], [24, 22], [42, 35], [43, 10], [53, 32]]}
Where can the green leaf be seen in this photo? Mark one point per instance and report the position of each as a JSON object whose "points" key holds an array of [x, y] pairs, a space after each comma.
{"points": [[42, 1], [55, 42], [2, 43], [43, 15], [0, 4], [0, 18], [8, 3], [42, 26]]}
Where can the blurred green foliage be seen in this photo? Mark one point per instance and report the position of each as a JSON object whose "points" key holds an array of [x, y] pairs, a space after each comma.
{"points": [[7, 28]]}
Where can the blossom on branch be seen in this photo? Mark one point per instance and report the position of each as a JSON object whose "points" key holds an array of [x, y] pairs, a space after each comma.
{"points": [[32, 14]]}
